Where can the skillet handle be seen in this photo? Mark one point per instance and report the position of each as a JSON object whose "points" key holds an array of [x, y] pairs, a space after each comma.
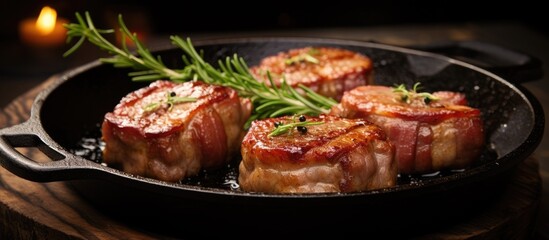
{"points": [[26, 135], [513, 66]]}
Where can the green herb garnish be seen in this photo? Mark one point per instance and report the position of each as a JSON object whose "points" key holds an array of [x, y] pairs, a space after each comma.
{"points": [[300, 124], [231, 72], [304, 57], [408, 96], [171, 100]]}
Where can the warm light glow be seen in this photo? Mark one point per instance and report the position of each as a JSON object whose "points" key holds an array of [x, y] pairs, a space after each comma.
{"points": [[46, 20], [45, 31]]}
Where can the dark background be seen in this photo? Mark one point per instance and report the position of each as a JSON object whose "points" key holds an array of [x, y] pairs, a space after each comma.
{"points": [[22, 67], [168, 17]]}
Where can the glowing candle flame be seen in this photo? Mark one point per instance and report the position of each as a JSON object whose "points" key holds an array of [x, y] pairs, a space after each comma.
{"points": [[46, 20], [45, 31]]}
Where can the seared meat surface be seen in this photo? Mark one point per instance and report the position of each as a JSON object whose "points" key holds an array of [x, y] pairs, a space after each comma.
{"points": [[428, 136], [153, 133], [327, 71], [339, 155]]}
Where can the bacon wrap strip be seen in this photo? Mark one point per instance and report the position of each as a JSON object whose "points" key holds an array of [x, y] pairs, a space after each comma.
{"points": [[339, 155], [170, 144], [326, 70], [444, 134]]}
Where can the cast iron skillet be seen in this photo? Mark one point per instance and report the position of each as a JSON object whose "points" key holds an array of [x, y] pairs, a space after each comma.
{"points": [[73, 107]]}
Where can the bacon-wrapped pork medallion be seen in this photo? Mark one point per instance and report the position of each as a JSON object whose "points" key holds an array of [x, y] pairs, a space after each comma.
{"points": [[335, 155], [170, 131], [431, 132], [326, 70]]}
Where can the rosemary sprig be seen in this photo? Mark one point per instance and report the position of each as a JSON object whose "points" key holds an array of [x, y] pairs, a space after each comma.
{"points": [[233, 72], [148, 67], [408, 96], [301, 126], [171, 99], [303, 57]]}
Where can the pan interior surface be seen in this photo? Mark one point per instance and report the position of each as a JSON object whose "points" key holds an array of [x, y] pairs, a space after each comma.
{"points": [[76, 106]]}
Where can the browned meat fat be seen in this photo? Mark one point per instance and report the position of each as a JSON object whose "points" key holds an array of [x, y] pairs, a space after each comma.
{"points": [[147, 136], [339, 155], [439, 135], [327, 71]]}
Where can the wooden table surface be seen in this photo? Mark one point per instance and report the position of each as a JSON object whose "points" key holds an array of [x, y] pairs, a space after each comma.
{"points": [[30, 210]]}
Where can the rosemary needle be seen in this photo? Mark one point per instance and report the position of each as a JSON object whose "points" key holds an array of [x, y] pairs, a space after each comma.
{"points": [[408, 96]]}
